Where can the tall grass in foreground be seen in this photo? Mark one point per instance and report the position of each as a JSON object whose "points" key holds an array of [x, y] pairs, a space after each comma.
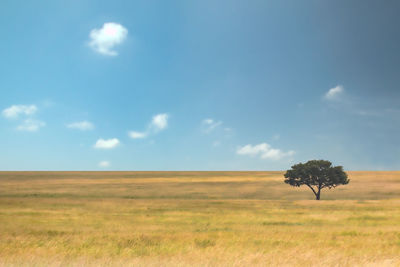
{"points": [[196, 219]]}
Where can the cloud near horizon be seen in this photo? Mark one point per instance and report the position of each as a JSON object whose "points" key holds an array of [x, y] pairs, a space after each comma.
{"points": [[107, 143], [81, 125], [30, 125], [264, 151], [210, 125], [14, 111], [24, 114], [137, 135], [334, 93], [104, 164], [105, 39], [159, 122]]}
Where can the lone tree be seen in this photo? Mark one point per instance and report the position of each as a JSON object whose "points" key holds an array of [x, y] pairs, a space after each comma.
{"points": [[316, 174]]}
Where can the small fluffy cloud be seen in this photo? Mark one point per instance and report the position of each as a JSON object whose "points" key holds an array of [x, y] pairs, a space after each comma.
{"points": [[334, 93], [159, 122], [105, 39], [24, 115], [14, 111], [107, 144], [30, 125], [210, 125], [81, 125], [104, 164], [264, 150], [137, 135]]}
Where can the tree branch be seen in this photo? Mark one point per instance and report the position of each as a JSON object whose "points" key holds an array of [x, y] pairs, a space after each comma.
{"points": [[315, 193]]}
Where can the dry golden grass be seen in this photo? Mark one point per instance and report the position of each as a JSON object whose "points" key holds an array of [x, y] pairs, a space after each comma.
{"points": [[196, 219]]}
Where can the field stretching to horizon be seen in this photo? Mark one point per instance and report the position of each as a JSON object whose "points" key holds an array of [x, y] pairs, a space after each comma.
{"points": [[196, 219]]}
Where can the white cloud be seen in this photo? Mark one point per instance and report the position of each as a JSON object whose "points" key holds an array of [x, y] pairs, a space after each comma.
{"points": [[105, 39], [30, 125], [159, 122], [14, 111], [252, 150], [264, 150], [104, 164], [137, 135], [81, 125], [24, 115], [210, 124], [107, 144], [333, 93]]}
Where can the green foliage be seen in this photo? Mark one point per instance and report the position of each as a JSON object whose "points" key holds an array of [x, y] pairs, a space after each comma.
{"points": [[316, 174]]}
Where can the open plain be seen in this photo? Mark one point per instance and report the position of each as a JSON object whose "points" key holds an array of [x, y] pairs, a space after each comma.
{"points": [[196, 219]]}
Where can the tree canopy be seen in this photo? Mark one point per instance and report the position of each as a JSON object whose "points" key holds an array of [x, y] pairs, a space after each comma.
{"points": [[316, 174]]}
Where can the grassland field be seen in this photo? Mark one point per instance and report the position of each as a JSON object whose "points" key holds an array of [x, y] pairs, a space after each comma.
{"points": [[196, 219]]}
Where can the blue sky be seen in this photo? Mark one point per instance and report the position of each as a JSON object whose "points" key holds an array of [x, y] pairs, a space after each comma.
{"points": [[199, 85]]}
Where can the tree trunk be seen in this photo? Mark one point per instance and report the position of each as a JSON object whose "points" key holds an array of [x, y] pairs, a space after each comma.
{"points": [[318, 195], [315, 193]]}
